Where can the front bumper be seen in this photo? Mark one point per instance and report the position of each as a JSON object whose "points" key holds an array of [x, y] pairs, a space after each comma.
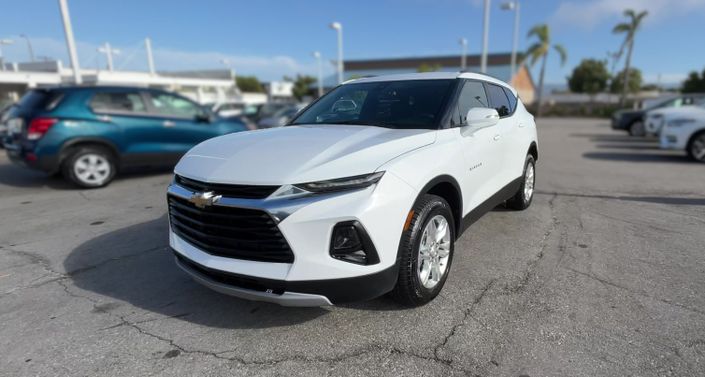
{"points": [[669, 140], [307, 224]]}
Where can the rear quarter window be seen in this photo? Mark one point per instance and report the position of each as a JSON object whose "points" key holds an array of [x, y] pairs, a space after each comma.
{"points": [[40, 100], [512, 100]]}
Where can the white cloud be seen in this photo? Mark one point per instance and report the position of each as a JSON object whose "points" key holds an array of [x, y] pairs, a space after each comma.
{"points": [[134, 57], [587, 14]]}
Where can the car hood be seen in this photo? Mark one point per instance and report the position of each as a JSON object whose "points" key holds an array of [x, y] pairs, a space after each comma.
{"points": [[297, 154], [675, 112]]}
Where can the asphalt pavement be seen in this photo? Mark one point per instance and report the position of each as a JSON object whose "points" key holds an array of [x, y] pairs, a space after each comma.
{"points": [[604, 275]]}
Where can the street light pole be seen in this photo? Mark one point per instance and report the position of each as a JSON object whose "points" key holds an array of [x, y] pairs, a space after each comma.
{"points": [[4, 42], [29, 47], [317, 55], [463, 58], [337, 26], [485, 36], [109, 51], [70, 43], [514, 5]]}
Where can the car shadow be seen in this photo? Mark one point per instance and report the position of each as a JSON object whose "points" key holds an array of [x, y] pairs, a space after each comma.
{"points": [[135, 265], [644, 199], [615, 138], [637, 157], [18, 176], [629, 146]]}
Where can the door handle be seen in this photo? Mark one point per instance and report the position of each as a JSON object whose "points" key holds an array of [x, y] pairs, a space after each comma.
{"points": [[105, 118], [496, 137], [168, 123], [521, 125]]}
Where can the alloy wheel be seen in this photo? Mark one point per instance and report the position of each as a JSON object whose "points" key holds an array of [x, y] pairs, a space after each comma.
{"points": [[697, 148], [434, 251], [529, 181], [92, 169]]}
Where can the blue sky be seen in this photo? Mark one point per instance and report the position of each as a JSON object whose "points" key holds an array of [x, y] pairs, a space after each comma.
{"points": [[274, 38]]}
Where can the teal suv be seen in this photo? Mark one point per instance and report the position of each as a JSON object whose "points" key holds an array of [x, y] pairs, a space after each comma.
{"points": [[88, 134]]}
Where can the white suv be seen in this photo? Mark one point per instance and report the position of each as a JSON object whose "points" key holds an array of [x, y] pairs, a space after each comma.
{"points": [[363, 193]]}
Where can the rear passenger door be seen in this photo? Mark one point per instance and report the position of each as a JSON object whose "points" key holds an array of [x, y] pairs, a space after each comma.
{"points": [[125, 119], [506, 135]]}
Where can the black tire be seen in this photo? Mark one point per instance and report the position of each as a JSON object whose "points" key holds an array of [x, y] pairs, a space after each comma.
{"points": [[694, 147], [68, 166], [520, 201], [409, 291], [637, 128]]}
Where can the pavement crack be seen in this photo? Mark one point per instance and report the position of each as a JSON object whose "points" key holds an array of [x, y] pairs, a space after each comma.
{"points": [[633, 291]]}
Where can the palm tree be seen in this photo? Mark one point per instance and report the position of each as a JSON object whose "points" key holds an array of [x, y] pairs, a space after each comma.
{"points": [[630, 27], [539, 50]]}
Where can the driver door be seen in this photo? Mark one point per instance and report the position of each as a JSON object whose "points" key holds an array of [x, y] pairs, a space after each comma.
{"points": [[481, 151], [180, 121]]}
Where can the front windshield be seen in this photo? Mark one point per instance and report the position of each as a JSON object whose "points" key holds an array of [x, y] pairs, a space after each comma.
{"points": [[409, 104]]}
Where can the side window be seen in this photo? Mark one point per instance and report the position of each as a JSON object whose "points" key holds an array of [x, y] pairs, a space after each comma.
{"points": [[512, 100], [471, 95], [124, 102], [173, 106], [499, 100]]}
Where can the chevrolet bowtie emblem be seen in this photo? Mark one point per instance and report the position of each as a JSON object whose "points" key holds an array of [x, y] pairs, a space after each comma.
{"points": [[204, 199]]}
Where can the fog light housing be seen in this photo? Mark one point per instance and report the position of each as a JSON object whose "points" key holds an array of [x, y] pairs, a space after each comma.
{"points": [[351, 243]]}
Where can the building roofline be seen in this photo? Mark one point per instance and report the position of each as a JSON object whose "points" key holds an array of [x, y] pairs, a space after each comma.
{"points": [[416, 61]]}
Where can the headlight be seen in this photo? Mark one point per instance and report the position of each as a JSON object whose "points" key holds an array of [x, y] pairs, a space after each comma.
{"points": [[340, 184], [680, 122]]}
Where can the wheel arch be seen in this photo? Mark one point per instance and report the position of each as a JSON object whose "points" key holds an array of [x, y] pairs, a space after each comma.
{"points": [[447, 188], [85, 141], [534, 151]]}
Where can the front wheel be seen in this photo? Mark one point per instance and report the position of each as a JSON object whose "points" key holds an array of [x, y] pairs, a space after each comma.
{"points": [[637, 129], [90, 167], [696, 148], [426, 252], [523, 197]]}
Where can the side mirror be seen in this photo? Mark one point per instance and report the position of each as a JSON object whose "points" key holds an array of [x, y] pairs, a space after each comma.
{"points": [[205, 116], [481, 117]]}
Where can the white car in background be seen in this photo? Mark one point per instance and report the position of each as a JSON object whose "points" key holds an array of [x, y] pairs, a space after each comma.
{"points": [[656, 119], [686, 131], [364, 192]]}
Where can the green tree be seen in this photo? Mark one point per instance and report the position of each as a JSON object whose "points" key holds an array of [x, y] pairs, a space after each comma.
{"points": [[629, 29], [249, 84], [694, 83], [589, 77], [633, 85], [425, 67], [539, 50], [303, 86]]}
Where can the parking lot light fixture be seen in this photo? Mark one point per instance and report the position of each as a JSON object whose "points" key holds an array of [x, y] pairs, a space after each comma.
{"points": [[337, 26], [4, 42], [463, 57], [514, 6], [109, 51], [70, 42], [317, 55]]}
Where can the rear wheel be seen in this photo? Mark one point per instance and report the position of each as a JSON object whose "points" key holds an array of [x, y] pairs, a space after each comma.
{"points": [[696, 147], [90, 167], [637, 128], [426, 252], [523, 197]]}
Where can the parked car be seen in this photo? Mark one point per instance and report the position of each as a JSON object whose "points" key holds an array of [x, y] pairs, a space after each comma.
{"points": [[90, 133], [268, 109], [655, 119], [363, 193], [686, 132], [233, 108], [632, 121], [4, 110], [281, 117]]}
